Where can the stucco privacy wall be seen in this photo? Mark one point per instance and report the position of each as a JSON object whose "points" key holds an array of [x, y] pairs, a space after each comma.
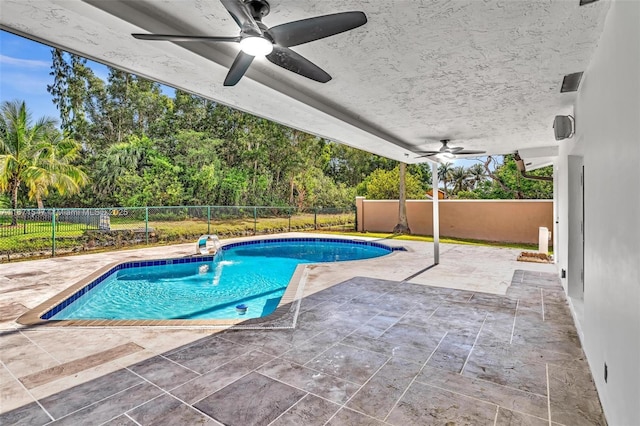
{"points": [[607, 112], [492, 220]]}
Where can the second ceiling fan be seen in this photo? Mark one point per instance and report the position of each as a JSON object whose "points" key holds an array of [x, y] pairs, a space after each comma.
{"points": [[256, 39], [448, 152]]}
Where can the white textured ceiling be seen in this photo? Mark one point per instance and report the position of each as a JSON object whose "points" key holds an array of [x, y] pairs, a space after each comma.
{"points": [[483, 73]]}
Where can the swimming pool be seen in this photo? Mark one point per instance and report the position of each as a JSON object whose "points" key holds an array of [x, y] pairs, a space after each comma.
{"points": [[252, 273]]}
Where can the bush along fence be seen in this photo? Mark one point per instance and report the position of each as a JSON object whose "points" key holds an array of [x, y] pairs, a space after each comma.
{"points": [[35, 233]]}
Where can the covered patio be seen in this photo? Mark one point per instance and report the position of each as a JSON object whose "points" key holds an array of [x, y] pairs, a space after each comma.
{"points": [[488, 76]]}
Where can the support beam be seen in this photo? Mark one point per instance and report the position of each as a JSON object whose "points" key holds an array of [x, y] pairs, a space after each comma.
{"points": [[436, 216]]}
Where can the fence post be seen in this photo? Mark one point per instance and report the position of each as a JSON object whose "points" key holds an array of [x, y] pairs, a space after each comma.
{"points": [[208, 219], [255, 220], [146, 225], [289, 220], [53, 232], [315, 218]]}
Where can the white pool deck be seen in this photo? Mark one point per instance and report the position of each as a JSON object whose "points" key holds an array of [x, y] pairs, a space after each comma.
{"points": [[27, 351]]}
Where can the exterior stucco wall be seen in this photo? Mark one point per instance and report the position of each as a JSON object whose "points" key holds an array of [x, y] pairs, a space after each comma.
{"points": [[607, 111], [492, 220]]}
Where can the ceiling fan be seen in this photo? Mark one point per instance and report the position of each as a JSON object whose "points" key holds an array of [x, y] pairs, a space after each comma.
{"points": [[256, 39], [448, 152]]}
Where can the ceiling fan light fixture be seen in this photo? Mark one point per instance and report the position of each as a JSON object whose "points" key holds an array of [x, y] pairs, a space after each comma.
{"points": [[256, 46], [447, 156]]}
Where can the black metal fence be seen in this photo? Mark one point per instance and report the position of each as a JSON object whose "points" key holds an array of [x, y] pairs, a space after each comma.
{"points": [[33, 233]]}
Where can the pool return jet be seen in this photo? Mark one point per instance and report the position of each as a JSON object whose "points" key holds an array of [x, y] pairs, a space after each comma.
{"points": [[208, 244]]}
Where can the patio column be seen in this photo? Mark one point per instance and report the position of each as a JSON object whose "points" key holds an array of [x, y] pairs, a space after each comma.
{"points": [[436, 211]]}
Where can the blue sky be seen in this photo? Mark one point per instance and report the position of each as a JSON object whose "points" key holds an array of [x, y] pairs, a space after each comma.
{"points": [[24, 74]]}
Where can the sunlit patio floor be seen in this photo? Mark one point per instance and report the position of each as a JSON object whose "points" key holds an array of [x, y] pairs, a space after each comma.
{"points": [[478, 339]]}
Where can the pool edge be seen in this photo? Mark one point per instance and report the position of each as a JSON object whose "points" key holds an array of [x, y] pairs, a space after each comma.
{"points": [[32, 318], [293, 293]]}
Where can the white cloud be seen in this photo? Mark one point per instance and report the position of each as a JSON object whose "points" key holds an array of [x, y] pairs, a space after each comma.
{"points": [[25, 63], [16, 84]]}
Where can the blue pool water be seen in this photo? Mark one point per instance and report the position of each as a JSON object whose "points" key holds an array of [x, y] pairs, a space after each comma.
{"points": [[254, 273]]}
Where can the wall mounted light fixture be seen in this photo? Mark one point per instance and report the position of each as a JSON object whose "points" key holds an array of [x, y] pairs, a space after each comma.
{"points": [[563, 127]]}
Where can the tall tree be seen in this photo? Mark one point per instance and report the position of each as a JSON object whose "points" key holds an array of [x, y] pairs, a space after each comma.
{"points": [[134, 106], [128, 157], [383, 185], [477, 174], [444, 174], [402, 227], [79, 95], [506, 182], [134, 136], [460, 179], [351, 166], [490, 161], [196, 154], [98, 113], [422, 171], [69, 91], [189, 112], [302, 161], [522, 187]]}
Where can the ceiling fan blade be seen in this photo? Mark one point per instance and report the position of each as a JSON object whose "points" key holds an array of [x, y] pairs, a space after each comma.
{"points": [[290, 60], [238, 68], [466, 152], [172, 37], [461, 152], [427, 153], [241, 14], [454, 149], [306, 30]]}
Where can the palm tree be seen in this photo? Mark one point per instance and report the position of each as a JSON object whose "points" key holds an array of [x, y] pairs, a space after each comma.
{"points": [[403, 225], [460, 179], [477, 175], [444, 174], [54, 160], [34, 154], [119, 159]]}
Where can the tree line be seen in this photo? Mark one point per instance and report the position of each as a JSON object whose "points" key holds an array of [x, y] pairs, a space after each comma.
{"points": [[123, 142]]}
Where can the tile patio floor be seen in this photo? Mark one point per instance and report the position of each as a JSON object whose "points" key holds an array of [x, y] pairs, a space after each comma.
{"points": [[369, 349]]}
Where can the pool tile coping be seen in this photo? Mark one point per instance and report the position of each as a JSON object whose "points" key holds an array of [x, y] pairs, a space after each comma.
{"points": [[293, 293]]}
